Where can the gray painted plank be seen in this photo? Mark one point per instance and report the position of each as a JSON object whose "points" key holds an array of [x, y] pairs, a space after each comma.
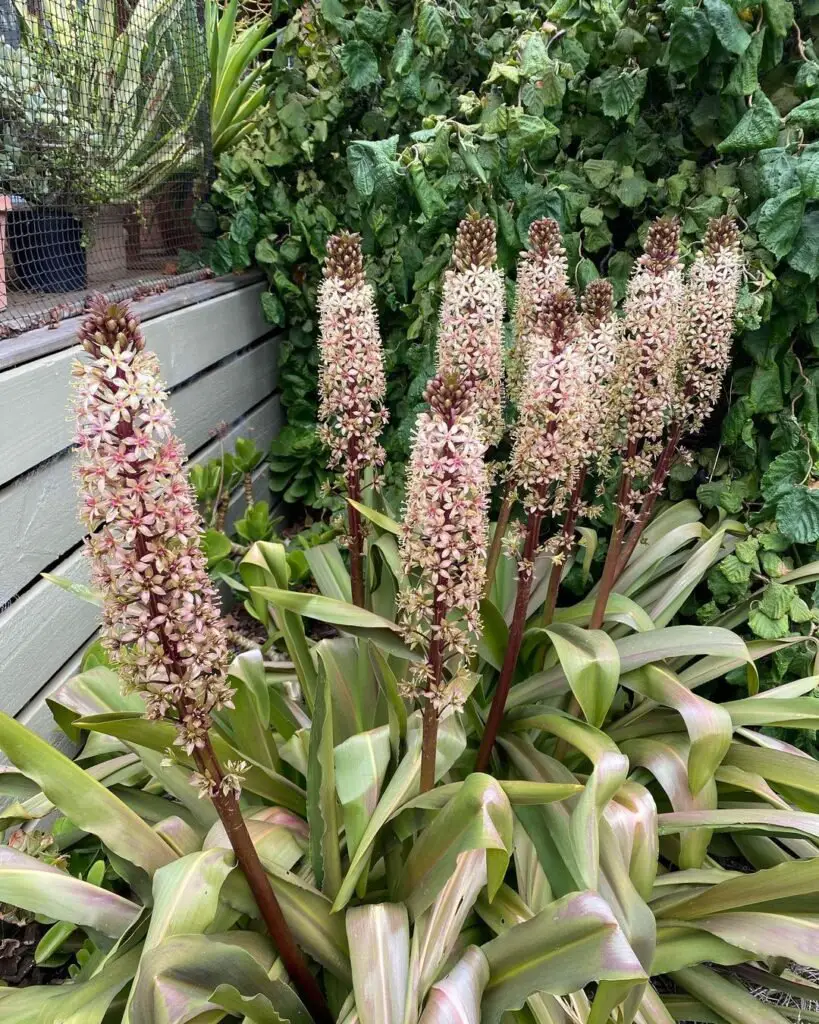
{"points": [[38, 520], [43, 341], [34, 397], [41, 631]]}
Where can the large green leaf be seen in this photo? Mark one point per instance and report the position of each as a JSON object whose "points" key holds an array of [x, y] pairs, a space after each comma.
{"points": [[402, 787], [479, 816], [709, 725], [379, 940], [265, 565], [83, 800], [159, 736], [573, 941], [637, 650], [591, 662], [329, 571], [361, 767], [183, 977], [32, 885], [728, 998], [456, 998], [73, 1002], [765, 821], [322, 808]]}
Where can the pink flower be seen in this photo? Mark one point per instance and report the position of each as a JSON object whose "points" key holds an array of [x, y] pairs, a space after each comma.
{"points": [[542, 271], [351, 376], [444, 534], [711, 299], [549, 438], [470, 336], [161, 614]]}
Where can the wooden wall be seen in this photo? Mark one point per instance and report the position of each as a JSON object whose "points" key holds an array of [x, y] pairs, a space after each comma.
{"points": [[219, 361]]}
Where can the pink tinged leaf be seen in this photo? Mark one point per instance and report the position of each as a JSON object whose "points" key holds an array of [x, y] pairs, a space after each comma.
{"points": [[632, 817], [379, 940], [709, 726], [795, 937], [456, 999], [667, 760], [572, 941], [42, 889], [764, 821]]}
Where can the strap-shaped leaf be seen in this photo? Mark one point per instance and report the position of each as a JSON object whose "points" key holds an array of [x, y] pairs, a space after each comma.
{"points": [[456, 998], [42, 889], [478, 817], [591, 662], [322, 808], [572, 941], [709, 725], [379, 940], [84, 800]]}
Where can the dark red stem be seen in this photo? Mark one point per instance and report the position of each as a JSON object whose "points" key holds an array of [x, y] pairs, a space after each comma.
{"points": [[356, 539], [655, 489], [609, 574], [429, 740], [568, 532], [510, 660], [227, 807]]}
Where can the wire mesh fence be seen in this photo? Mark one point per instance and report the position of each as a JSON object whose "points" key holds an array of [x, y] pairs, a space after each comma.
{"points": [[104, 150]]}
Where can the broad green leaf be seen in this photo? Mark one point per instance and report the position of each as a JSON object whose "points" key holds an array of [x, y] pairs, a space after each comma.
{"points": [[249, 720], [641, 649], [591, 662], [181, 978], [379, 940], [83, 800], [690, 41], [32, 885], [361, 767], [573, 941], [439, 929], [494, 635], [667, 758], [265, 565], [763, 821], [322, 808], [456, 998], [781, 888], [758, 128], [73, 1002], [186, 895], [402, 786], [329, 571], [360, 64], [325, 609], [159, 736], [315, 928], [479, 816], [709, 725], [619, 608], [727, 26], [779, 221], [681, 946], [806, 115], [804, 256]]}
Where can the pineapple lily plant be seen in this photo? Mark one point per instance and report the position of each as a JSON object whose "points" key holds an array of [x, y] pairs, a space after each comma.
{"points": [[471, 802]]}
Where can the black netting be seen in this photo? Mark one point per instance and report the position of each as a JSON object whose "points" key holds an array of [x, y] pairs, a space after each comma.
{"points": [[104, 151]]}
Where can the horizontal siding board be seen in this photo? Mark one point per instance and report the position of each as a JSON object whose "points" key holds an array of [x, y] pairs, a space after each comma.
{"points": [[38, 518], [43, 341], [43, 630], [34, 397]]}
